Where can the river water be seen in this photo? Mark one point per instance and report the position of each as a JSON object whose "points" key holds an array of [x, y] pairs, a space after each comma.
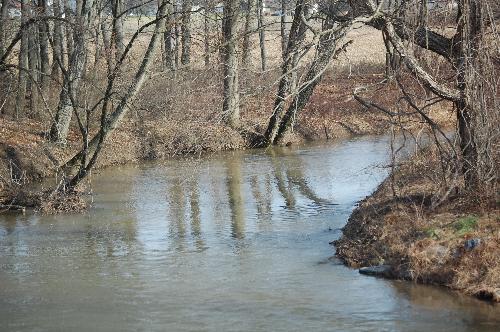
{"points": [[236, 241]]}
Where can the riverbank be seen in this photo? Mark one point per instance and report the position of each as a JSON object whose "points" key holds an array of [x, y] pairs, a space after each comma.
{"points": [[409, 234], [437, 246], [235, 240], [161, 128]]}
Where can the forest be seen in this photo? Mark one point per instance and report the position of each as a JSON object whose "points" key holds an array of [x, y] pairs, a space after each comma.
{"points": [[87, 86]]}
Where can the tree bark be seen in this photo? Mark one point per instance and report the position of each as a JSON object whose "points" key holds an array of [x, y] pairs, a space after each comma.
{"points": [[284, 39], [43, 39], [186, 32], [68, 29], [206, 27], [231, 103], [58, 41], [106, 43], [245, 57], [72, 78], [109, 124], [177, 34], [262, 35], [118, 28], [34, 67], [4, 22], [468, 38], [22, 63], [168, 39], [297, 31]]}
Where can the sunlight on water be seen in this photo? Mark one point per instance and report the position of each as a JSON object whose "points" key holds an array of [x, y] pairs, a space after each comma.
{"points": [[236, 241]]}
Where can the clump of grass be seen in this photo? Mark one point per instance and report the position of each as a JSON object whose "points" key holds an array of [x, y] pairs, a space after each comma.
{"points": [[465, 225], [432, 233]]}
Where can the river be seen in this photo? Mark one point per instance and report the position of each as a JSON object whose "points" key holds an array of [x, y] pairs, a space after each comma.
{"points": [[234, 241]]}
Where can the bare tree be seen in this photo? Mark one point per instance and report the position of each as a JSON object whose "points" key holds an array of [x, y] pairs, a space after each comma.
{"points": [[118, 38], [84, 160], [186, 31], [22, 62], [231, 102], [332, 32], [262, 35], [74, 72], [245, 57], [296, 36], [473, 91]]}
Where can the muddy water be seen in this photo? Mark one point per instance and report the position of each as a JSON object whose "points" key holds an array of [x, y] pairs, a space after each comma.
{"points": [[230, 242]]}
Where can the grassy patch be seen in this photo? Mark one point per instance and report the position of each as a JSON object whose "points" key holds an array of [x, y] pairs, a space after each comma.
{"points": [[465, 225], [432, 233]]}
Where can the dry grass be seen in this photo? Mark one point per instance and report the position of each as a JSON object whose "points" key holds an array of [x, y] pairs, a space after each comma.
{"points": [[456, 244], [179, 113]]}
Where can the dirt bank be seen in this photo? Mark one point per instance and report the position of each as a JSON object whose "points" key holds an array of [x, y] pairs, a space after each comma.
{"points": [[402, 225]]}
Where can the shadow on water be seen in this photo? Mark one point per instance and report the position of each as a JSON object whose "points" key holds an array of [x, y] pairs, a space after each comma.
{"points": [[230, 241]]}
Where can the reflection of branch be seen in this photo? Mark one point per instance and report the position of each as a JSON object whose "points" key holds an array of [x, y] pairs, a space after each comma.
{"points": [[280, 182], [304, 188]]}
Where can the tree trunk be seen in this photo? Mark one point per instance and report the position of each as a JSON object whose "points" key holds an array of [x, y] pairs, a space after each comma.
{"points": [[325, 52], [71, 80], [58, 41], [106, 41], [231, 104], [68, 29], [206, 27], [284, 39], [177, 34], [469, 36], [168, 39], [245, 58], [43, 38], [34, 68], [467, 145], [262, 35], [186, 32], [23, 63], [4, 22], [296, 35], [119, 42]]}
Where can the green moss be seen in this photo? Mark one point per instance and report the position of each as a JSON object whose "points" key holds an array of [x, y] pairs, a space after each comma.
{"points": [[432, 233], [465, 225]]}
